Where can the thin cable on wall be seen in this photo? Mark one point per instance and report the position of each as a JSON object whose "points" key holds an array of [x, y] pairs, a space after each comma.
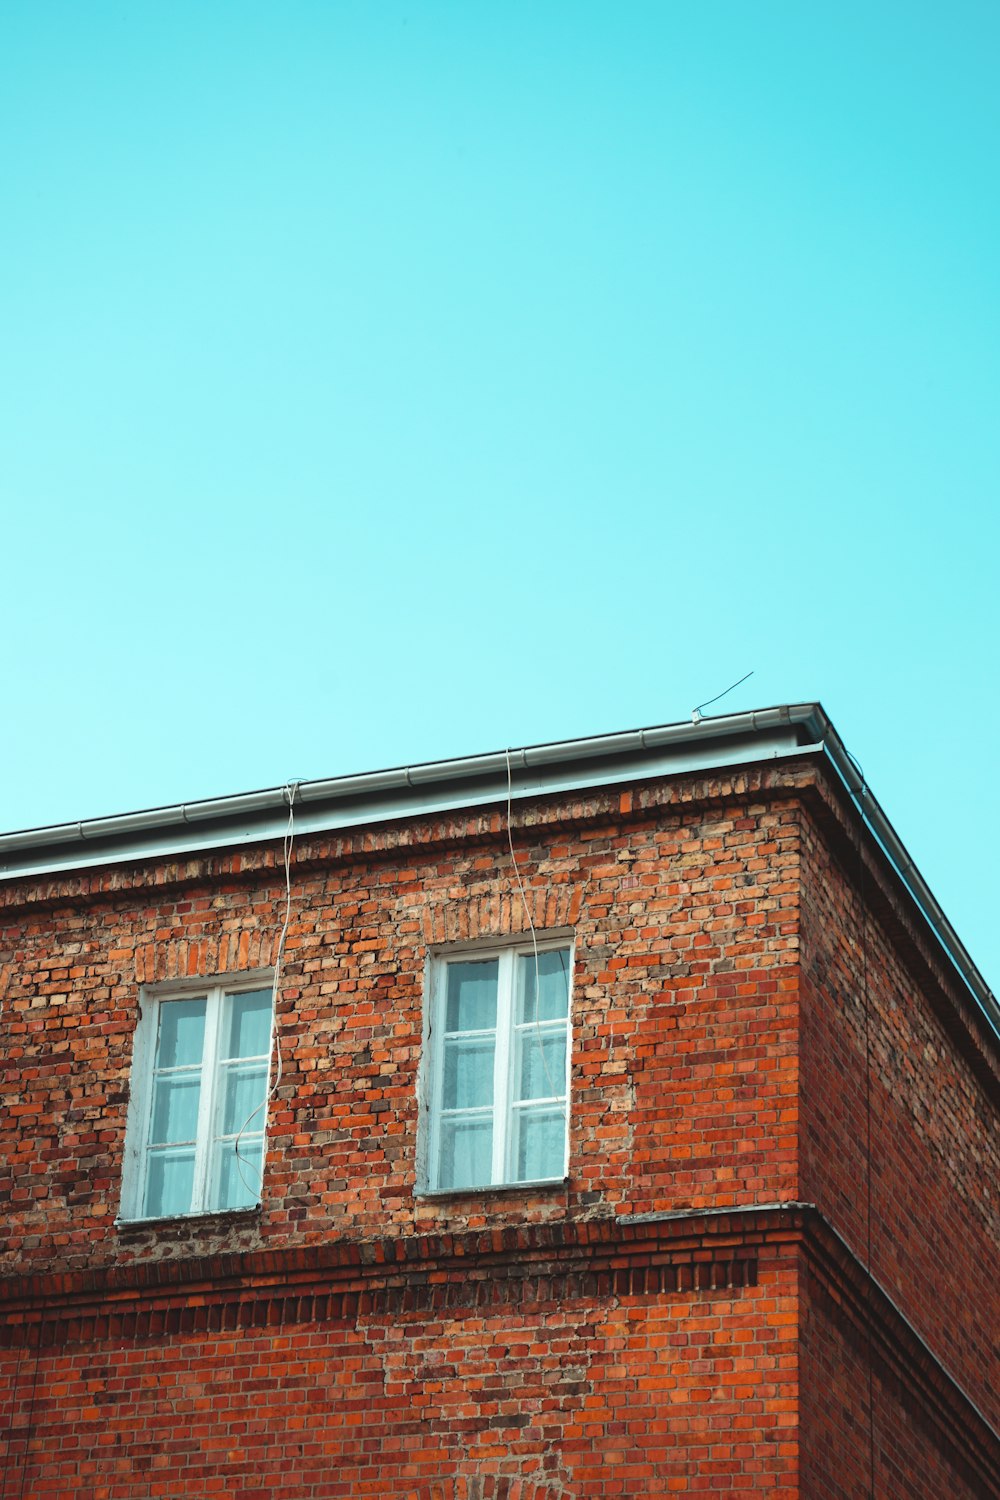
{"points": [[863, 896], [290, 790], [5, 1470], [553, 1093], [859, 795], [30, 1427]]}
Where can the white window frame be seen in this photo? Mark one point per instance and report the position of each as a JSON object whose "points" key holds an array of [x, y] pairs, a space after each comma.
{"points": [[507, 952], [151, 999]]}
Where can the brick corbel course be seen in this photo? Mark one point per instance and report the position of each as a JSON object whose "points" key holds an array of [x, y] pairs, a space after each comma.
{"points": [[653, 1256]]}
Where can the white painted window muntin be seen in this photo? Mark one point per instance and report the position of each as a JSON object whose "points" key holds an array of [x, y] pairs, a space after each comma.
{"points": [[211, 1143], [507, 1113]]}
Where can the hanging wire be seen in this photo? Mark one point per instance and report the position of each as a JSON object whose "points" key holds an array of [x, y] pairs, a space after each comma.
{"points": [[288, 843], [10, 1429], [29, 1430], [696, 712], [859, 796], [553, 1092], [863, 896]]}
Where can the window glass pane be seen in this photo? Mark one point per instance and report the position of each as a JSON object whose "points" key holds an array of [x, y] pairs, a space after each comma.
{"points": [[541, 1143], [182, 1033], [175, 1107], [468, 1073], [552, 985], [541, 1071], [243, 1089], [169, 1181], [472, 996], [466, 1158], [239, 1176], [247, 1032]]}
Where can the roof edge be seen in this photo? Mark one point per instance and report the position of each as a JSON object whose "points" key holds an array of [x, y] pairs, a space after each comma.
{"points": [[466, 781], [422, 774], [901, 861]]}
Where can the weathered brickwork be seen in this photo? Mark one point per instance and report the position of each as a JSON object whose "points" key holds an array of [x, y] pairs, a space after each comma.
{"points": [[873, 988], [684, 1017], [354, 1338], [417, 1405], [843, 1456], [673, 1341]]}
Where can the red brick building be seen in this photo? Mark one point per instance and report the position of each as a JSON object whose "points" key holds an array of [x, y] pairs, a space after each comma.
{"points": [[659, 1159]]}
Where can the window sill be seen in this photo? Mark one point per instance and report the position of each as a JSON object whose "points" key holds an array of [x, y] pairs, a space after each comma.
{"points": [[493, 1189], [224, 1218]]}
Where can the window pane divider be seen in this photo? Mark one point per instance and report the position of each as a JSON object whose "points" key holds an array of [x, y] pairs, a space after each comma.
{"points": [[206, 1103], [502, 1069]]}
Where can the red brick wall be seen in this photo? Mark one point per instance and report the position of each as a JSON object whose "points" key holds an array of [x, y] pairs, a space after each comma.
{"points": [[913, 1459], [547, 1399], [710, 1072], [935, 1127], [684, 1014]]}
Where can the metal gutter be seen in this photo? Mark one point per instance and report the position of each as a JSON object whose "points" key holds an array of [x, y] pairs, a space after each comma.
{"points": [[373, 785], [344, 802]]}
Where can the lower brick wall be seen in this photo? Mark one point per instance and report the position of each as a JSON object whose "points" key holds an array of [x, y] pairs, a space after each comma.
{"points": [[722, 1354], [870, 1424], [900, 1136], [546, 1400]]}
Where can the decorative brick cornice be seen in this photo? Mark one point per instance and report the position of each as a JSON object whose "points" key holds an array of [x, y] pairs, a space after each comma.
{"points": [[570, 1259]]}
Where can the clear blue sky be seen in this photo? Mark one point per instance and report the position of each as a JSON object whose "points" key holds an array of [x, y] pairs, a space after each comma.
{"points": [[390, 381]]}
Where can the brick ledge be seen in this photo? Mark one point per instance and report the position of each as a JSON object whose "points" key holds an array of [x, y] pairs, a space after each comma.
{"points": [[512, 1252]]}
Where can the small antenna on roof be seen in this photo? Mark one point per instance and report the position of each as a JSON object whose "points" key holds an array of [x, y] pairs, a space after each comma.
{"points": [[696, 713]]}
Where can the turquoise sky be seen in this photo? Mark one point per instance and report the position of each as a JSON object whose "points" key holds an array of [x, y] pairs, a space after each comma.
{"points": [[390, 381]]}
